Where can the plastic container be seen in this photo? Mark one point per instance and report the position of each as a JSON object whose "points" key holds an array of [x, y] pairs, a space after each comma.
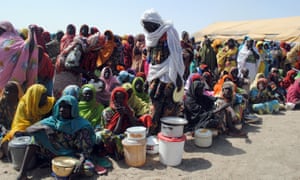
{"points": [[134, 152], [170, 149], [152, 145], [203, 137], [136, 133], [17, 148]]}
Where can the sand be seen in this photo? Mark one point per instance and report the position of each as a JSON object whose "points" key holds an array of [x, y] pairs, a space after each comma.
{"points": [[272, 151]]}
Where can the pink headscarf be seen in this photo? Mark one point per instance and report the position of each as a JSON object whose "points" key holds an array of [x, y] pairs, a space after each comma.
{"points": [[15, 63], [111, 82]]}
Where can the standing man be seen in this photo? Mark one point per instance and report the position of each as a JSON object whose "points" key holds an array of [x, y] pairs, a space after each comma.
{"points": [[165, 78]]}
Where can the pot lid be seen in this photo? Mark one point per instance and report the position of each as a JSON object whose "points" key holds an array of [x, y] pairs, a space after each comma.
{"points": [[175, 121], [136, 129], [203, 132]]}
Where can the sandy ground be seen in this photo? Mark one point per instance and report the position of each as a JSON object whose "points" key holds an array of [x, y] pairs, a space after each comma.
{"points": [[272, 151]]}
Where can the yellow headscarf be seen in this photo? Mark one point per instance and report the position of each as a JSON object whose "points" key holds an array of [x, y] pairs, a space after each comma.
{"points": [[28, 111]]}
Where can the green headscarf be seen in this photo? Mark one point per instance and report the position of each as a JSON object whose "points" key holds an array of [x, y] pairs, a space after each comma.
{"points": [[91, 110], [139, 106], [144, 96]]}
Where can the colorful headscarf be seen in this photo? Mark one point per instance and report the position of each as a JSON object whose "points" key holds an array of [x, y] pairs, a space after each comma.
{"points": [[139, 106], [7, 108], [111, 82], [28, 111], [72, 90], [143, 95], [111, 115], [90, 110], [68, 126]]}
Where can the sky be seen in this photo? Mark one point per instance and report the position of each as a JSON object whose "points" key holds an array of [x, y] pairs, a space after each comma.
{"points": [[123, 16]]}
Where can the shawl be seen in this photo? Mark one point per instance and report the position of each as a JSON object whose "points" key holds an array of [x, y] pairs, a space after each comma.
{"points": [[107, 50], [111, 82], [28, 111], [72, 90], [139, 106], [257, 77], [91, 110], [173, 65], [293, 92], [218, 86], [17, 63], [143, 95], [288, 80], [68, 126], [7, 109], [111, 115]]}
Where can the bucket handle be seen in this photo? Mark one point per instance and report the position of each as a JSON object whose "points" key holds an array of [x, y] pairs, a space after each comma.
{"points": [[167, 127]]}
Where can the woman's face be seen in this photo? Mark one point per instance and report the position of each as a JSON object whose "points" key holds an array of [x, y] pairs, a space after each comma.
{"points": [[261, 86], [139, 86], [119, 99], [106, 74], [43, 99], [11, 94], [227, 92], [87, 94], [65, 110]]}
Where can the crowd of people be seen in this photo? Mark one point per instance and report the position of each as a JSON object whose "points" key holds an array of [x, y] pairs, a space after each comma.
{"points": [[76, 93]]}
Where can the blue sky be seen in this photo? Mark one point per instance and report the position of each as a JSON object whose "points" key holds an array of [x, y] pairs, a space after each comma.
{"points": [[123, 16]]}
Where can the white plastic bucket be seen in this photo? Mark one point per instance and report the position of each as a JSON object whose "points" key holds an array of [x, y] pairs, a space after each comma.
{"points": [[17, 148], [170, 149]]}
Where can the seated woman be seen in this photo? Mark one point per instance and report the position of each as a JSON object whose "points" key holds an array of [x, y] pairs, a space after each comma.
{"points": [[232, 116], [102, 95], [293, 95], [9, 98], [64, 133], [72, 90], [32, 107], [261, 100], [89, 109], [116, 119], [199, 108], [138, 89], [110, 80], [139, 106]]}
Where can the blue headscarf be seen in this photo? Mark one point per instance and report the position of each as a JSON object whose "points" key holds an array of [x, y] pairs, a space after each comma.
{"points": [[68, 126]]}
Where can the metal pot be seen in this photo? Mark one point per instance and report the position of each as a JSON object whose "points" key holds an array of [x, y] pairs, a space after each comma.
{"points": [[172, 126]]}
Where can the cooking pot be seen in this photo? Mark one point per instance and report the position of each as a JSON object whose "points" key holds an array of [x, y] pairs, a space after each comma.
{"points": [[136, 133], [63, 166], [172, 126]]}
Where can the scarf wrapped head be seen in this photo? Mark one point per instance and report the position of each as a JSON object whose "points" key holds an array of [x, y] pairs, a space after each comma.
{"points": [[173, 65], [91, 110], [28, 111]]}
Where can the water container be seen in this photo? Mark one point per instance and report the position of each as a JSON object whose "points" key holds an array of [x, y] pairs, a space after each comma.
{"points": [[170, 149], [17, 148], [134, 152]]}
